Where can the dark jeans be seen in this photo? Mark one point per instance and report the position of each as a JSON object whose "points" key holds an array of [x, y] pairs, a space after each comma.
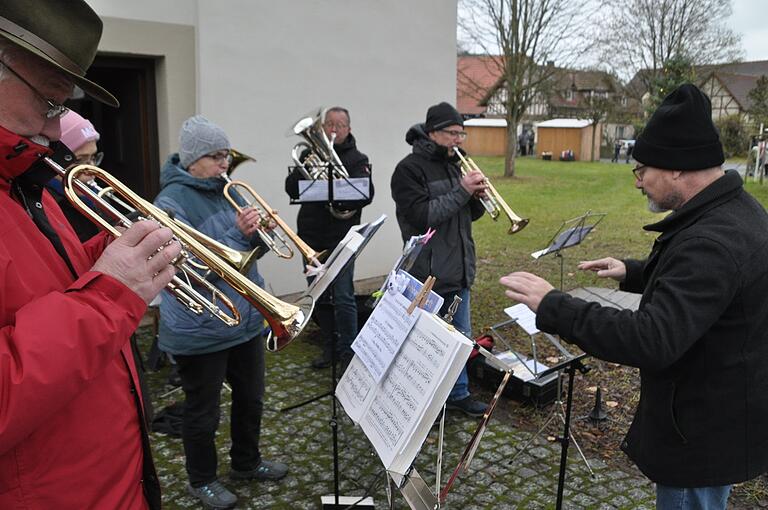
{"points": [[336, 313], [202, 377], [462, 322]]}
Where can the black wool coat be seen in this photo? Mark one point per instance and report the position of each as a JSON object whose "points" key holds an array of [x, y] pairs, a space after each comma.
{"points": [[427, 193], [699, 337]]}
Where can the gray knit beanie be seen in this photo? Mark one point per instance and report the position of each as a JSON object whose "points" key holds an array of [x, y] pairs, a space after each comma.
{"points": [[198, 137]]}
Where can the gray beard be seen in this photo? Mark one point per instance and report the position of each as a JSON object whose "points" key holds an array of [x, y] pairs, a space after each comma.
{"points": [[655, 208]]}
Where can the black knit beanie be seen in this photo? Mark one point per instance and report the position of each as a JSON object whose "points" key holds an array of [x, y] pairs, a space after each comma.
{"points": [[441, 116], [680, 134]]}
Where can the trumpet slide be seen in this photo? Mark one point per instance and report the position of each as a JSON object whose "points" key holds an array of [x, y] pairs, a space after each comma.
{"points": [[286, 320]]}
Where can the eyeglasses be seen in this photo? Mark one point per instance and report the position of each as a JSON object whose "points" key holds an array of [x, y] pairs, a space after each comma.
{"points": [[54, 109], [455, 134], [91, 159], [220, 156], [337, 125], [639, 171]]}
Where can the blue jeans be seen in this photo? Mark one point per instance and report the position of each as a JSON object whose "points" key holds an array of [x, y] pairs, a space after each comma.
{"points": [[462, 322], [336, 313], [698, 498]]}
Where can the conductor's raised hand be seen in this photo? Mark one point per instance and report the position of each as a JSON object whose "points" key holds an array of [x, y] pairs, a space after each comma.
{"points": [[474, 182], [607, 267], [141, 259], [526, 288]]}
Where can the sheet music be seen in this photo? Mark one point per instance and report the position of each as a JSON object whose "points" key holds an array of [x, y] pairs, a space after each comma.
{"points": [[354, 188], [354, 388], [525, 317], [313, 191], [335, 263], [383, 333], [409, 389]]}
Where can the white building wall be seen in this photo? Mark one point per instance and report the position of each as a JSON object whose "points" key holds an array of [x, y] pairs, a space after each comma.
{"points": [[260, 65]]}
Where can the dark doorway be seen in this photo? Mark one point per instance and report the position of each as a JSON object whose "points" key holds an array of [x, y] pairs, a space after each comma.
{"points": [[129, 133]]}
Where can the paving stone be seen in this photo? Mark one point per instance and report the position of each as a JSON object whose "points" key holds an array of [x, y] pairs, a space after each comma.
{"points": [[303, 439]]}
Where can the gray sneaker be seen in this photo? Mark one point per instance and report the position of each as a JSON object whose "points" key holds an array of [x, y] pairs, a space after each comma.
{"points": [[213, 495]]}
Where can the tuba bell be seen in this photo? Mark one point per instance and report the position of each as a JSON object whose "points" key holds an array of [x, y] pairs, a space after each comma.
{"points": [[315, 157]]}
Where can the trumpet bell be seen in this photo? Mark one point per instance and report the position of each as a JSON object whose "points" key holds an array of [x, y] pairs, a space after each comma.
{"points": [[284, 331]]}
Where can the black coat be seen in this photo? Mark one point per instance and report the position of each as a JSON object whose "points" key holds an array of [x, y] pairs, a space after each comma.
{"points": [[699, 337], [427, 192], [316, 226]]}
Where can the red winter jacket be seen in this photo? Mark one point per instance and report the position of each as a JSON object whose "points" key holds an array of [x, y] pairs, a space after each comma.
{"points": [[70, 434]]}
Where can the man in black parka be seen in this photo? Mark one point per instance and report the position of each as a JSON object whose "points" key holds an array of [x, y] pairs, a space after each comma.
{"points": [[322, 229], [700, 335], [430, 191]]}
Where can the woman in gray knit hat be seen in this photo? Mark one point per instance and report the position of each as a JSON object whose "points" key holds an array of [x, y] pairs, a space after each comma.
{"points": [[206, 350]]}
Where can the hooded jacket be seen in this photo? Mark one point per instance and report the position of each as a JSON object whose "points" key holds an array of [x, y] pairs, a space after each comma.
{"points": [[699, 337], [316, 225], [426, 187], [201, 204], [72, 433]]}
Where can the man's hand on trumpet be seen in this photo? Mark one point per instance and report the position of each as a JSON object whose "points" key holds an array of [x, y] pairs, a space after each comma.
{"points": [[141, 258], [475, 183]]}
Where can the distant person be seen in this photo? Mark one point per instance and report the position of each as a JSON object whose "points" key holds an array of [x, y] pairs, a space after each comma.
{"points": [[521, 143], [530, 138], [630, 148], [616, 151]]}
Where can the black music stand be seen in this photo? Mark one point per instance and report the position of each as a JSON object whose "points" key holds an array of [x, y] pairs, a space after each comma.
{"points": [[571, 233], [570, 363], [367, 232]]}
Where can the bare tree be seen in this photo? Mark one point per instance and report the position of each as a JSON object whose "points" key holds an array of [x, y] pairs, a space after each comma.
{"points": [[644, 35], [525, 35]]}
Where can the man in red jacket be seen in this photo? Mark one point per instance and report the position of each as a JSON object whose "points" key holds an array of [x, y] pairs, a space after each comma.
{"points": [[72, 434]]}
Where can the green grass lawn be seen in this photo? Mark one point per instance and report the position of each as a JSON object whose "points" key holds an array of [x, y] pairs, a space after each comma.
{"points": [[549, 192]]}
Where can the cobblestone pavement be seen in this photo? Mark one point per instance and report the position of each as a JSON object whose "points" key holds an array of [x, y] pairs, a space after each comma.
{"points": [[302, 438]]}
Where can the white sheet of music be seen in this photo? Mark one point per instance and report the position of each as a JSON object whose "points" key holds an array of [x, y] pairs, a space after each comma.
{"points": [[383, 333], [397, 414], [525, 317], [354, 188]]}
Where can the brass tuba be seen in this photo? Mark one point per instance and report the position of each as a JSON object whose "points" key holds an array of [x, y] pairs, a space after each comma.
{"points": [[493, 202], [320, 160], [233, 190], [285, 319]]}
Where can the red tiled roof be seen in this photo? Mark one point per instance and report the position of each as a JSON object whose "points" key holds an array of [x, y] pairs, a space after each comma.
{"points": [[475, 75]]}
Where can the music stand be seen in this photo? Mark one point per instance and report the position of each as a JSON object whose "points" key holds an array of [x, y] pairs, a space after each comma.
{"points": [[571, 233], [366, 231], [570, 362]]}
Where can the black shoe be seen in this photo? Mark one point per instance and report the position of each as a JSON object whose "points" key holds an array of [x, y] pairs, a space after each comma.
{"points": [[321, 362], [213, 495], [266, 470], [468, 406]]}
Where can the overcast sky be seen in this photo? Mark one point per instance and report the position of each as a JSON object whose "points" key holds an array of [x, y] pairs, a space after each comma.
{"points": [[750, 19]]}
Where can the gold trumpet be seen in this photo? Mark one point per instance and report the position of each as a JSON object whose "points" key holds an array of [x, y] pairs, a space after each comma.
{"points": [[271, 239], [493, 201], [263, 208], [285, 319]]}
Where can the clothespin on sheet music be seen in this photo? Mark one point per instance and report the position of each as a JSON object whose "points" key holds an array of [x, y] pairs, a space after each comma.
{"points": [[421, 297]]}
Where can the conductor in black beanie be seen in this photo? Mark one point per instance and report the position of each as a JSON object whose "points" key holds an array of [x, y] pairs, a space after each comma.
{"points": [[700, 334]]}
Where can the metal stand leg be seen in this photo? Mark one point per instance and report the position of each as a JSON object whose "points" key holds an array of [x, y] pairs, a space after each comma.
{"points": [[561, 411]]}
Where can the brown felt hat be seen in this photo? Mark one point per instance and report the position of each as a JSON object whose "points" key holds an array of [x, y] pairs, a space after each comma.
{"points": [[65, 33]]}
